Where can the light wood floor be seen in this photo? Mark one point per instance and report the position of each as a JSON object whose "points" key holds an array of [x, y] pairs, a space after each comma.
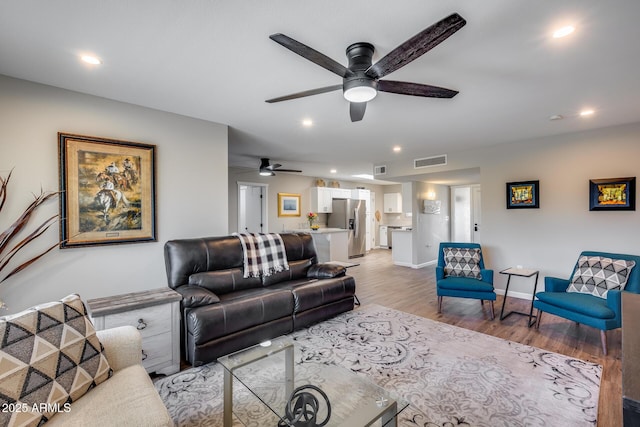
{"points": [[379, 281]]}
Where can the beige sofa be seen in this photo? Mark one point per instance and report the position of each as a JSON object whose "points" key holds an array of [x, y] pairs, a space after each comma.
{"points": [[128, 398]]}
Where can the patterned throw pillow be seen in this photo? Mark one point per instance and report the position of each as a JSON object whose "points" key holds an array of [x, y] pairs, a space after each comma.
{"points": [[462, 262], [598, 275], [49, 357]]}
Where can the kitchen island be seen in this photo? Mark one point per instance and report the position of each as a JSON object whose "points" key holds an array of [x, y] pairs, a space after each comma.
{"points": [[402, 249], [332, 244]]}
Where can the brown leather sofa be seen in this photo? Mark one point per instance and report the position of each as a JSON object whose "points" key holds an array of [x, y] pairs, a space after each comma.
{"points": [[223, 312]]}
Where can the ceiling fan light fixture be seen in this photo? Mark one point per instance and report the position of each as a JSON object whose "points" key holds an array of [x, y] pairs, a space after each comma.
{"points": [[267, 173], [360, 94], [360, 89]]}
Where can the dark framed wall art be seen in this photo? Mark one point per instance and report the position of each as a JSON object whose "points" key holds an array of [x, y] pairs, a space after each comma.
{"points": [[523, 195], [612, 194], [108, 191]]}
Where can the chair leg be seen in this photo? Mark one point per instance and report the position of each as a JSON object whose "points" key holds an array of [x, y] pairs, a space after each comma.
{"points": [[603, 338], [538, 317], [439, 304], [482, 302], [492, 312]]}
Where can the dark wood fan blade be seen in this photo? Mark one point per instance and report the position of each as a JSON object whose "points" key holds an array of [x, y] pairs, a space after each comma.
{"points": [[415, 89], [416, 46], [311, 54], [305, 93], [286, 170], [356, 110]]}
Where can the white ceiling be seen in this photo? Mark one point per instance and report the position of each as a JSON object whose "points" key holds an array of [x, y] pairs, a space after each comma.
{"points": [[213, 59]]}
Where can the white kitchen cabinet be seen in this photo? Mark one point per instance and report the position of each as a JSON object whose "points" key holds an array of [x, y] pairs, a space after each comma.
{"points": [[393, 203], [321, 199], [340, 193], [360, 194]]}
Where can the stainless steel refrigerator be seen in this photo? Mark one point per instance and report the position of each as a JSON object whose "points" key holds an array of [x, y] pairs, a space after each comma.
{"points": [[350, 214]]}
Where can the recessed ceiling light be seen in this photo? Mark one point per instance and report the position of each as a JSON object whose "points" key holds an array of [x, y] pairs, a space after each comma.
{"points": [[333, 171], [91, 59], [307, 122], [563, 32], [556, 117], [585, 113], [397, 149]]}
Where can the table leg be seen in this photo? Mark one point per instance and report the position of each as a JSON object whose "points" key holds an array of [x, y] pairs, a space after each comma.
{"points": [[288, 374], [533, 297], [228, 399], [389, 416], [504, 299]]}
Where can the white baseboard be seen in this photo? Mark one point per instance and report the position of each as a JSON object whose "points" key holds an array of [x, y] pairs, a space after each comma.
{"points": [[416, 266], [521, 295]]}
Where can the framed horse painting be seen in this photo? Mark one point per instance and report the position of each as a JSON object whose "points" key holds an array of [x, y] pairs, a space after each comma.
{"points": [[108, 191]]}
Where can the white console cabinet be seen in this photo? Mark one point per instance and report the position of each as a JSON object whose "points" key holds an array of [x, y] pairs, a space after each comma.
{"points": [[156, 314]]}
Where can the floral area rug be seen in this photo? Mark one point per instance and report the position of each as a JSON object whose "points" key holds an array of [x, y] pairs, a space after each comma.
{"points": [[451, 376]]}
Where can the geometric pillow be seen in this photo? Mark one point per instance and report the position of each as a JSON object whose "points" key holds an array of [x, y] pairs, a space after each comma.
{"points": [[49, 357], [462, 262], [597, 275]]}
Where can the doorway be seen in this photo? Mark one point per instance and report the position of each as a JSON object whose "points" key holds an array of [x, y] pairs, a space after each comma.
{"points": [[252, 207], [466, 214]]}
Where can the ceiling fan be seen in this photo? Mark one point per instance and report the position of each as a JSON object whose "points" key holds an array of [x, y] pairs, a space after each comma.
{"points": [[361, 80], [267, 169]]}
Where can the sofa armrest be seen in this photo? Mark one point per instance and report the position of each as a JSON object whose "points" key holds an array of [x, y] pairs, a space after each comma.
{"points": [[555, 284], [325, 271], [487, 275], [439, 273], [195, 296], [122, 346]]}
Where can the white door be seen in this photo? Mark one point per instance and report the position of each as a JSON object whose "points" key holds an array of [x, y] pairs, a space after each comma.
{"points": [[466, 215], [252, 208], [476, 214]]}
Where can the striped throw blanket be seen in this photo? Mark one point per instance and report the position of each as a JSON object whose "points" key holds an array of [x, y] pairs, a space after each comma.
{"points": [[264, 254]]}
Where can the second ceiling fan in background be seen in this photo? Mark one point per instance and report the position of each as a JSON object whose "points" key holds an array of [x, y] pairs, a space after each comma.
{"points": [[361, 79]]}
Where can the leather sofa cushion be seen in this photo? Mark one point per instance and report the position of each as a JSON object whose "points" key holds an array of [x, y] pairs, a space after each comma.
{"points": [[184, 257], [312, 293], [586, 304], [195, 296], [297, 270], [326, 271], [224, 281], [237, 311]]}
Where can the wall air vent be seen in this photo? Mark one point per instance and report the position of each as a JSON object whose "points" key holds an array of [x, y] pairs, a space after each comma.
{"points": [[428, 162], [380, 170]]}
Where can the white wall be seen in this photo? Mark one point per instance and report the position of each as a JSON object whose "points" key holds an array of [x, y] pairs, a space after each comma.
{"points": [[429, 229], [191, 187], [550, 238]]}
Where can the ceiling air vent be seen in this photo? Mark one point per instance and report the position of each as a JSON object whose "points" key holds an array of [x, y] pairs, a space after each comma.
{"points": [[380, 170], [427, 162]]}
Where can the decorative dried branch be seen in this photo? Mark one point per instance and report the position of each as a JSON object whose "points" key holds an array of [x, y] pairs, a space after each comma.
{"points": [[7, 248]]}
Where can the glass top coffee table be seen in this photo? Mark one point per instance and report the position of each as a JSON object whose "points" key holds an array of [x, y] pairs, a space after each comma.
{"points": [[265, 376]]}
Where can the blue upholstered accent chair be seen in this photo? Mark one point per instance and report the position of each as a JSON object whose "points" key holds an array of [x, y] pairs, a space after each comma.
{"points": [[591, 310], [451, 284]]}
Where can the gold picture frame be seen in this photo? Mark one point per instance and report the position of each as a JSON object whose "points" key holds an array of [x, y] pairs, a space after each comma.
{"points": [[108, 191], [289, 204]]}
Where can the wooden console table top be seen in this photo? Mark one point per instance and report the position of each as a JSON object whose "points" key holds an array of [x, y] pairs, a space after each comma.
{"points": [[132, 301]]}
